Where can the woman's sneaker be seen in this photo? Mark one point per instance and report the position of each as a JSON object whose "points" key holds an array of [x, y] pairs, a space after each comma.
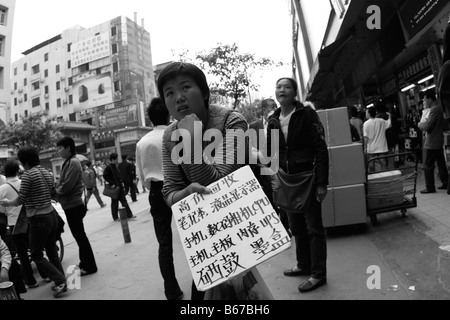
{"points": [[60, 289]]}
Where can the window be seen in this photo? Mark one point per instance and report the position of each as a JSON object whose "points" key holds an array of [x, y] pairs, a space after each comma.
{"points": [[58, 103], [36, 102], [16, 117], [25, 67], [25, 82], [73, 117], [3, 16], [70, 81], [35, 69], [115, 67], [2, 45], [47, 106], [15, 85], [35, 85], [25, 97], [26, 113], [116, 86], [15, 71], [115, 48], [46, 89], [15, 101], [46, 73], [84, 67], [69, 47], [58, 85], [70, 99], [57, 68], [46, 57], [113, 31], [69, 64]]}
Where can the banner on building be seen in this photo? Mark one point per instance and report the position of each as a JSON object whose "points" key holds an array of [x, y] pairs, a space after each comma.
{"points": [[418, 13], [92, 90], [90, 49], [229, 231], [120, 117]]}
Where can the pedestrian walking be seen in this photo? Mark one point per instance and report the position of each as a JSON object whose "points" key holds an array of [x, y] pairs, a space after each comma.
{"points": [[112, 177], [134, 175], [302, 149], [16, 220], [150, 170], [35, 193], [69, 190], [99, 171], [185, 91], [375, 142], [433, 127], [90, 184], [128, 177]]}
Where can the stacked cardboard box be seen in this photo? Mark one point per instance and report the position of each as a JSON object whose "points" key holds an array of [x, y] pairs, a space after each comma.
{"points": [[346, 200]]}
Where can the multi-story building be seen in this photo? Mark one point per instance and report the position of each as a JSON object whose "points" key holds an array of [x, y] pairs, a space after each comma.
{"points": [[352, 52], [102, 77], [6, 27]]}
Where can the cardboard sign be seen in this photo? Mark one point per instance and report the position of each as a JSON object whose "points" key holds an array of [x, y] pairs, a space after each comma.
{"points": [[229, 231]]}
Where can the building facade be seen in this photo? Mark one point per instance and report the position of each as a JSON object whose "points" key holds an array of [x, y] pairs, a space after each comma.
{"points": [[101, 76], [6, 28], [351, 52]]}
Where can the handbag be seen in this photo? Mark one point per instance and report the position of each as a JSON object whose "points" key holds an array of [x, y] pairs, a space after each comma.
{"points": [[111, 191], [293, 192], [21, 226]]}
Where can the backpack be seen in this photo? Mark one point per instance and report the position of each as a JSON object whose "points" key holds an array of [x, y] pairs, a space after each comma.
{"points": [[87, 178]]}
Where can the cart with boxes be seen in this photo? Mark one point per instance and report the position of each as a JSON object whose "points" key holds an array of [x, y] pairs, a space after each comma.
{"points": [[392, 187], [353, 193]]}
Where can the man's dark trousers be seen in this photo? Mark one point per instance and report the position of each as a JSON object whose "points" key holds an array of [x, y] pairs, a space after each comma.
{"points": [[75, 218], [162, 217]]}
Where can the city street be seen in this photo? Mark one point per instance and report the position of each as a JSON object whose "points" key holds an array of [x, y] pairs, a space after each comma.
{"points": [[406, 250]]}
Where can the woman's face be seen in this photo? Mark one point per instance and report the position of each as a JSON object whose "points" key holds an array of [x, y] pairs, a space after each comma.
{"points": [[285, 92], [184, 97]]}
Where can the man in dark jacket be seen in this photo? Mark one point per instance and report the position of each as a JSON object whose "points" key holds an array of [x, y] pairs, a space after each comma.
{"points": [[127, 176], [112, 177], [434, 143]]}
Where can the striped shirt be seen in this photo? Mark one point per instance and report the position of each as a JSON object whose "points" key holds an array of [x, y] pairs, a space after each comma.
{"points": [[203, 173], [34, 191]]}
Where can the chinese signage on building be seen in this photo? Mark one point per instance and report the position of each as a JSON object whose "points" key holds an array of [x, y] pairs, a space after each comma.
{"points": [[230, 230], [90, 49], [120, 117], [418, 13]]}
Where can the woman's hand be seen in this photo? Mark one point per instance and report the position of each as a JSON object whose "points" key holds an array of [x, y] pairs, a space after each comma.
{"points": [[321, 193], [4, 275], [198, 188], [5, 203]]}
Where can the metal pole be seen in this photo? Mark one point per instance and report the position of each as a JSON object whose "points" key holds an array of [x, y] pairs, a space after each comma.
{"points": [[124, 223]]}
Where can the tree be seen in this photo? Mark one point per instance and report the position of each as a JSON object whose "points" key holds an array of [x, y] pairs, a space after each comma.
{"points": [[36, 130], [233, 71]]}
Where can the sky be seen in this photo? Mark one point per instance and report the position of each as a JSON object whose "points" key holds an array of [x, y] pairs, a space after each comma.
{"points": [[262, 27]]}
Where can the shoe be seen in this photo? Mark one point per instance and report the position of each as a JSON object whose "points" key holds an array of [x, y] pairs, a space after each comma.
{"points": [[443, 187], [427, 191], [132, 218], [85, 273], [32, 286], [295, 272], [48, 280], [103, 205], [116, 219], [179, 296], [60, 289], [308, 286]]}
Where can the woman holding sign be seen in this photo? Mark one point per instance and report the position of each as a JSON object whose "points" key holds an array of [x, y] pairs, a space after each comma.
{"points": [[187, 166], [303, 157]]}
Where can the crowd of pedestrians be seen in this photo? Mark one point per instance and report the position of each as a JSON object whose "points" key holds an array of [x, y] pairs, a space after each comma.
{"points": [[184, 97]]}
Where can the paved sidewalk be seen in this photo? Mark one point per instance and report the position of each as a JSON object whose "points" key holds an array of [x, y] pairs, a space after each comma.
{"points": [[131, 272]]}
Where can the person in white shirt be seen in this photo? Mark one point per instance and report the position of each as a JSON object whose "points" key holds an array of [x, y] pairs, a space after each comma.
{"points": [[149, 169], [375, 143]]}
